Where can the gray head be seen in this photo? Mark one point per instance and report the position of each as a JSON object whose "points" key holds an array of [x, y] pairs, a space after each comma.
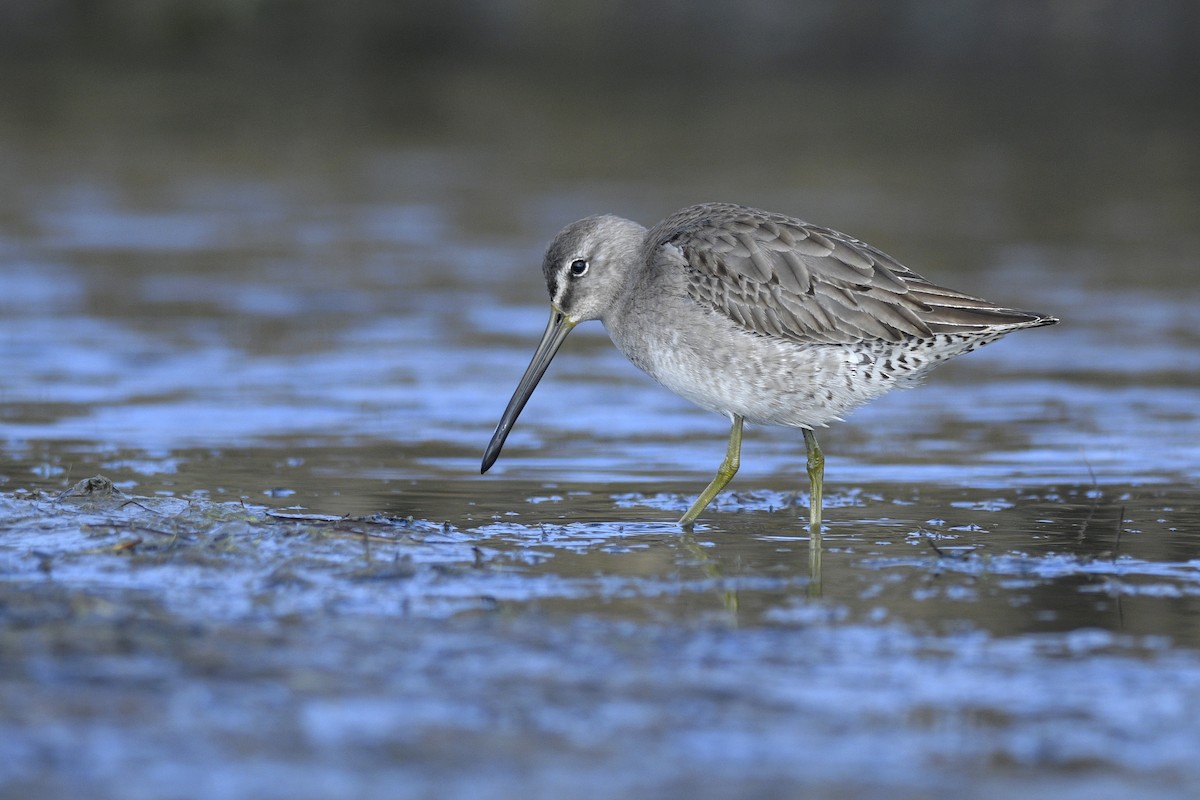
{"points": [[588, 262], [586, 267]]}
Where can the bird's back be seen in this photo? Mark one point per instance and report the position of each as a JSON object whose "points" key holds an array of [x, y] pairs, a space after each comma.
{"points": [[781, 277]]}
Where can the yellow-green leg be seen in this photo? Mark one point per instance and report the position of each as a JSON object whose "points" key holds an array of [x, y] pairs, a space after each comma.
{"points": [[816, 481], [725, 473], [816, 490]]}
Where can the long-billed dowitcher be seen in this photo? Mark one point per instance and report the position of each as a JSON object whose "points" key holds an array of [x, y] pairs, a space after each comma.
{"points": [[758, 316]]}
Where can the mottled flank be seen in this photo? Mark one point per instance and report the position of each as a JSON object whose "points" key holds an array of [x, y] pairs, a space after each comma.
{"points": [[758, 316]]}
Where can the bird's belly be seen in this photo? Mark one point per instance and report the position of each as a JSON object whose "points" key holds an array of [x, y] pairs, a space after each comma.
{"points": [[771, 381]]}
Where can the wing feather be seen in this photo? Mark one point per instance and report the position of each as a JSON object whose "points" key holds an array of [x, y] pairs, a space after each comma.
{"points": [[779, 276]]}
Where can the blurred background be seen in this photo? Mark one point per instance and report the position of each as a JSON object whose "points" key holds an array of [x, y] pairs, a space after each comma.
{"points": [[1117, 40]]}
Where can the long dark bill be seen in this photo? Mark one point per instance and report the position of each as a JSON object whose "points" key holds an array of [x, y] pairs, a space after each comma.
{"points": [[552, 339]]}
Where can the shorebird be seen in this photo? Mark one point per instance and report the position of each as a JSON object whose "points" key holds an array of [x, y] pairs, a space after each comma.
{"points": [[758, 316]]}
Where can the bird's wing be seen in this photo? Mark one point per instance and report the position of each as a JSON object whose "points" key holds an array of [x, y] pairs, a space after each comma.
{"points": [[778, 276]]}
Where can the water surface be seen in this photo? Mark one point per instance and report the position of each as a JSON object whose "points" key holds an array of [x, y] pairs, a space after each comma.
{"points": [[284, 322]]}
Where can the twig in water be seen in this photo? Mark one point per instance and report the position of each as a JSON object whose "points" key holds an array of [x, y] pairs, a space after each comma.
{"points": [[1120, 530], [936, 549], [1095, 498]]}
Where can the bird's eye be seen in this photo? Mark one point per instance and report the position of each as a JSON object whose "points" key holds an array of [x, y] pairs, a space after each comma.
{"points": [[579, 267]]}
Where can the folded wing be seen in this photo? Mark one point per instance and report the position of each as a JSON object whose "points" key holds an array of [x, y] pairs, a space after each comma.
{"points": [[779, 276]]}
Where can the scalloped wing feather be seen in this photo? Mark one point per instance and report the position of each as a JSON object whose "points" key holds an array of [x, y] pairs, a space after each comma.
{"points": [[779, 276]]}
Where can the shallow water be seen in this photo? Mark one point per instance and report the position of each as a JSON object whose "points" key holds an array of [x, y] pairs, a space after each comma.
{"points": [[286, 344]]}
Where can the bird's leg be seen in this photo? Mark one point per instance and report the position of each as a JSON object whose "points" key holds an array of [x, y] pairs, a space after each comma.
{"points": [[816, 481], [725, 473]]}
